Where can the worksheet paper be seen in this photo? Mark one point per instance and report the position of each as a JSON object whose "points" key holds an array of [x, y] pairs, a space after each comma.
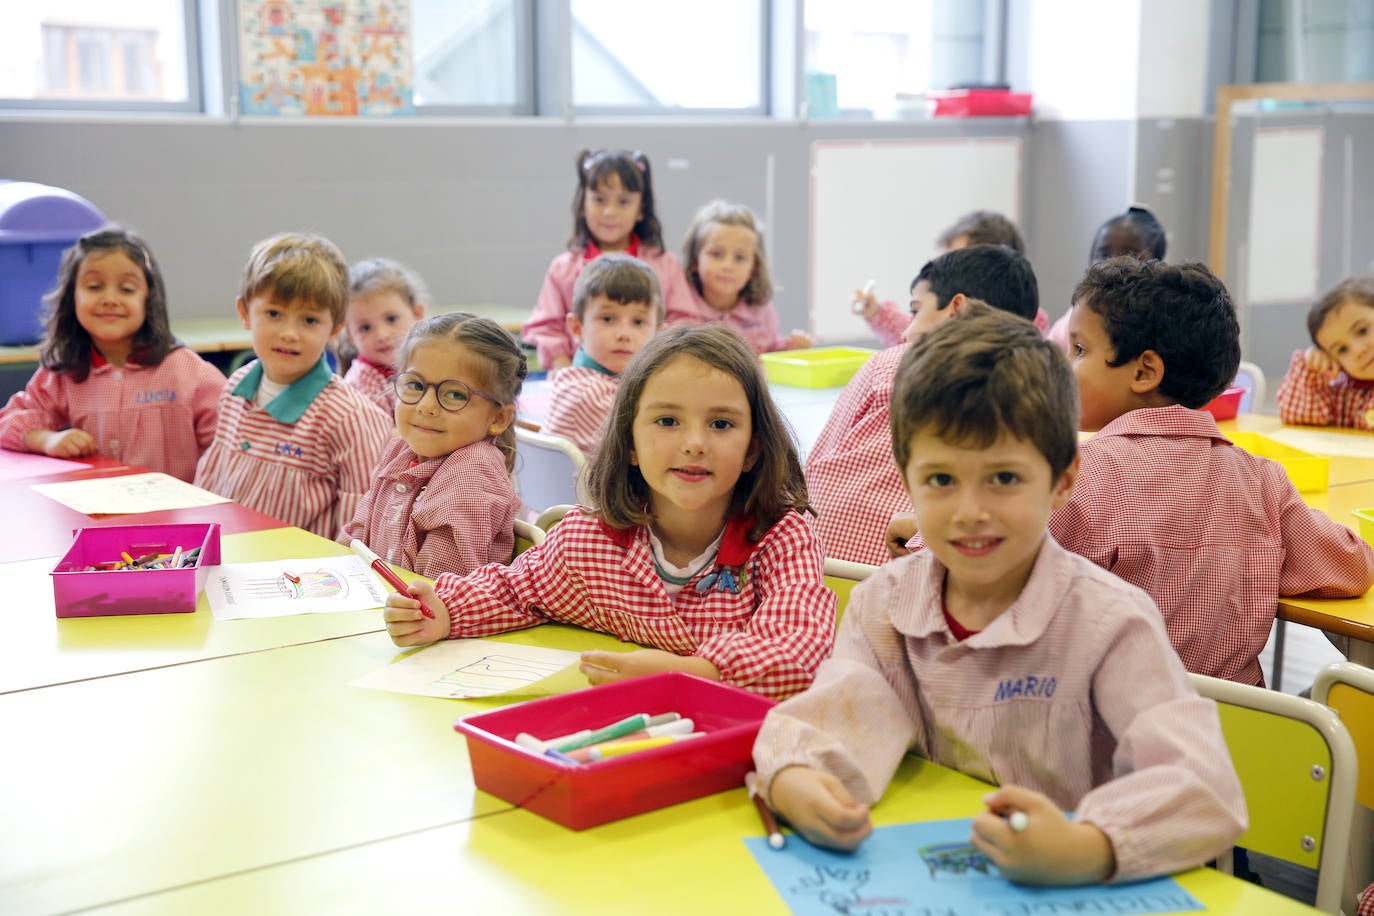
{"points": [[280, 588], [931, 868], [468, 668], [1325, 441], [152, 492]]}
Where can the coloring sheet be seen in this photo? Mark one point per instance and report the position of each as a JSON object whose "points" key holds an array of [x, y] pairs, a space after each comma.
{"points": [[280, 588], [467, 668], [127, 495], [931, 869]]}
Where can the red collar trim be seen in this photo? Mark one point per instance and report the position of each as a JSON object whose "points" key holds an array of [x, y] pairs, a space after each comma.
{"points": [[593, 252], [386, 371], [957, 629], [735, 546]]}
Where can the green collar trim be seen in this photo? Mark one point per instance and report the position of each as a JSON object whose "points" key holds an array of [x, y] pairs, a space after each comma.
{"points": [[291, 404]]}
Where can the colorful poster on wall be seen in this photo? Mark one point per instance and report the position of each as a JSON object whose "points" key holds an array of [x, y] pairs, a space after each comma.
{"points": [[325, 57]]}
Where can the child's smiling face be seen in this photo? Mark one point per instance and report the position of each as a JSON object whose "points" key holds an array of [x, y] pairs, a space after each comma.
{"points": [[288, 337], [1347, 336]]}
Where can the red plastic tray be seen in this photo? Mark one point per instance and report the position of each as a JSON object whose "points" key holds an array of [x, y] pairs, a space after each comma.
{"points": [[965, 103], [595, 793], [1226, 405]]}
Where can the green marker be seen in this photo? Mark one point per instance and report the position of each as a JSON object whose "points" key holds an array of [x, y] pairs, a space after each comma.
{"points": [[619, 729]]}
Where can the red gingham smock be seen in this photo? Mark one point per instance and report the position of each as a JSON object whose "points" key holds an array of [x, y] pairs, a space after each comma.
{"points": [[450, 514], [375, 383], [1213, 533], [768, 638], [851, 476], [160, 417], [579, 403], [757, 324], [1073, 692], [306, 458], [1307, 399]]}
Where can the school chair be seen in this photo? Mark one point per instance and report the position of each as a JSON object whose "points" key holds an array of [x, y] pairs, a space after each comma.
{"points": [[1348, 688], [548, 470], [1251, 378], [526, 536], [1297, 768], [840, 577], [551, 516]]}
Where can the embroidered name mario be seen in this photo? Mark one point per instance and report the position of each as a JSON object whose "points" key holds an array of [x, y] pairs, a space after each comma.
{"points": [[1028, 686]]}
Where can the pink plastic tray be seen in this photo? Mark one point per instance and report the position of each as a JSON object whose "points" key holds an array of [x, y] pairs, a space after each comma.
{"points": [[594, 793], [82, 593]]}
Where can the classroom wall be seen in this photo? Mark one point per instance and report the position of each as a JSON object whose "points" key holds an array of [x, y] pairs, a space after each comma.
{"points": [[479, 208]]}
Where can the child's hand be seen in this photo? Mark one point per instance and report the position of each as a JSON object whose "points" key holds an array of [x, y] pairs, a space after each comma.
{"points": [[901, 529], [605, 667], [1050, 850], [820, 808], [866, 304], [62, 443], [1319, 363], [798, 340], [407, 625]]}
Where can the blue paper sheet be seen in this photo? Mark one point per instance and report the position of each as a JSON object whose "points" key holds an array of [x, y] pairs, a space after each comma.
{"points": [[931, 869]]}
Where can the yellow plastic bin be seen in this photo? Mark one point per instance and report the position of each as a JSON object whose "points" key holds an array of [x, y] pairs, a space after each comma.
{"points": [[1310, 473], [818, 367]]}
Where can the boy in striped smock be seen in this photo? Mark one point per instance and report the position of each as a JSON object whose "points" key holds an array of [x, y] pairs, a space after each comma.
{"points": [[293, 440], [974, 651], [616, 308]]}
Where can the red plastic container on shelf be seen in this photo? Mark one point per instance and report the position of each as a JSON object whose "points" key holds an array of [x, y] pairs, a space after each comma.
{"points": [[975, 103], [80, 591], [585, 795], [1226, 405]]}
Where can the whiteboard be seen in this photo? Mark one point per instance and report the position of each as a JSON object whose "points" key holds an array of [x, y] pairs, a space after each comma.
{"points": [[878, 206], [1285, 215]]}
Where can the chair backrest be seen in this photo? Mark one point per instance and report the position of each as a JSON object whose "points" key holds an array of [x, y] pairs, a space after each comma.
{"points": [[841, 576], [1348, 688], [548, 470], [1251, 378], [1297, 768], [526, 536], [552, 516]]}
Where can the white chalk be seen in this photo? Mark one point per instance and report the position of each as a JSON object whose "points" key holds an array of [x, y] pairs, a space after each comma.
{"points": [[1018, 820], [858, 305]]}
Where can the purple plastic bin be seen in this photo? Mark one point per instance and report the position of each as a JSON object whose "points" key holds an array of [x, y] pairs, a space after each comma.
{"points": [[593, 793], [81, 592], [37, 223]]}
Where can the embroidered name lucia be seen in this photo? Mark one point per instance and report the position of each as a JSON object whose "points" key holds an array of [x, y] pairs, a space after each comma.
{"points": [[1028, 686], [286, 448], [161, 396]]}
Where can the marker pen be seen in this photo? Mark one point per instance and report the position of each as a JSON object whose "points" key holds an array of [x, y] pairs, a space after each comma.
{"points": [[388, 575]]}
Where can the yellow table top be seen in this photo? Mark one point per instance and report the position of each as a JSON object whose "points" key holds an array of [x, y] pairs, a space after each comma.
{"points": [[39, 649], [688, 858]]}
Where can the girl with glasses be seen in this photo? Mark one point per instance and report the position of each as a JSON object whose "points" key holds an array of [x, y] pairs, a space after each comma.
{"points": [[441, 497]]}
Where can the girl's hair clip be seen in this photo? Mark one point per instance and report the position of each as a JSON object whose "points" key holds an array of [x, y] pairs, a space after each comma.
{"points": [[147, 260], [640, 160]]}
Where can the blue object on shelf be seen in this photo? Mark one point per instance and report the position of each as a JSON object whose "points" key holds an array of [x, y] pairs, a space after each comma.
{"points": [[37, 223]]}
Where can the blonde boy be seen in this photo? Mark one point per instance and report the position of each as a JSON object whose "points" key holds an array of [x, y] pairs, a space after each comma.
{"points": [[293, 441]]}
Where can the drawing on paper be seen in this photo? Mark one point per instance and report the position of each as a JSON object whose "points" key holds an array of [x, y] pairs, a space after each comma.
{"points": [[325, 57], [298, 585], [495, 674]]}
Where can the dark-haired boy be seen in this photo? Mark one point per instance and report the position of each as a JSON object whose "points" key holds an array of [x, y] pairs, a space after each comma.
{"points": [[854, 486], [1164, 500]]}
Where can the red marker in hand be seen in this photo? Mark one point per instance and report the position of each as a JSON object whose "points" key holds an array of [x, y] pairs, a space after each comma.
{"points": [[386, 572]]}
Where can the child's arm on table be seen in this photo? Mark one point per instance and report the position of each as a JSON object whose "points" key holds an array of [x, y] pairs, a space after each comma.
{"points": [[1322, 558], [36, 419], [1305, 394], [1050, 849], [607, 667]]}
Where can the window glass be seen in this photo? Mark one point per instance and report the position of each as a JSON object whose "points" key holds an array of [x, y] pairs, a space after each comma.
{"points": [[1315, 41], [95, 51], [466, 54], [874, 58], [684, 54]]}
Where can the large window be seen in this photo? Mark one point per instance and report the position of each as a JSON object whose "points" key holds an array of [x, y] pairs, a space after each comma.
{"points": [[471, 55], [97, 53], [684, 55], [877, 58], [1315, 41]]}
